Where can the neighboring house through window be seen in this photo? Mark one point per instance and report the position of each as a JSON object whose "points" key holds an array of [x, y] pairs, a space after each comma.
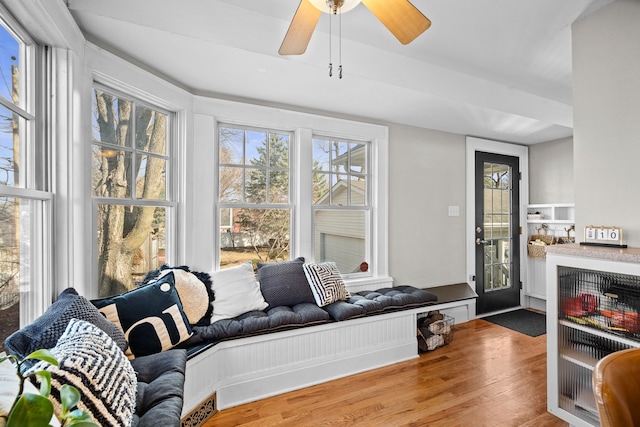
{"points": [[341, 214]]}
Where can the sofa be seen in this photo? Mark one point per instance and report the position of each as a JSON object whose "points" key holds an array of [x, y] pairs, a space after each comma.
{"points": [[144, 391], [176, 315]]}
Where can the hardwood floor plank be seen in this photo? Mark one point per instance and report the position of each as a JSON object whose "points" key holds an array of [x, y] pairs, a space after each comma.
{"points": [[487, 376]]}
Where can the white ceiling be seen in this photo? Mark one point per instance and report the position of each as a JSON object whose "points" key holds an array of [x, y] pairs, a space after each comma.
{"points": [[497, 69]]}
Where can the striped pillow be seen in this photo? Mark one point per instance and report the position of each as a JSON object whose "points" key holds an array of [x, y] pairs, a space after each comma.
{"points": [[92, 362], [326, 283]]}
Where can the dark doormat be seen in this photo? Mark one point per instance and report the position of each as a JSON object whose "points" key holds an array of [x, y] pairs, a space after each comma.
{"points": [[523, 321]]}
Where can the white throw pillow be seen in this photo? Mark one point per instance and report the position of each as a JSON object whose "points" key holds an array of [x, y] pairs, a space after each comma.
{"points": [[236, 292], [94, 364]]}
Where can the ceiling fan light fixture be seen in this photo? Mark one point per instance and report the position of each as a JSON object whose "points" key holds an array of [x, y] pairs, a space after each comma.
{"points": [[333, 5]]}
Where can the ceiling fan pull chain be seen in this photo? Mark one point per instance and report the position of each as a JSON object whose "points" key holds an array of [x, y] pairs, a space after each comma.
{"points": [[330, 36], [340, 45]]}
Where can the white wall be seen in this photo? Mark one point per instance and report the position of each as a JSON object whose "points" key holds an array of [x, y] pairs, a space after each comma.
{"points": [[426, 176], [551, 172], [606, 86]]}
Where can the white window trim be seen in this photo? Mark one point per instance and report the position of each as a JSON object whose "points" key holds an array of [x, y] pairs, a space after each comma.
{"points": [[36, 288], [368, 208], [115, 74], [170, 203], [209, 112]]}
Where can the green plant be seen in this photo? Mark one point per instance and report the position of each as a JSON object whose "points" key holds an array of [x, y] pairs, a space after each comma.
{"points": [[35, 410]]}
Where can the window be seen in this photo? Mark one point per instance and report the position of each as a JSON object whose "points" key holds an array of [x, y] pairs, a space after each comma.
{"points": [[255, 207], [341, 214], [131, 167], [25, 199], [332, 207], [253, 194]]}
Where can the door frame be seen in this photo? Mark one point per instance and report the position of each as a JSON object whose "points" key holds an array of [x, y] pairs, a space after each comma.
{"points": [[474, 144]]}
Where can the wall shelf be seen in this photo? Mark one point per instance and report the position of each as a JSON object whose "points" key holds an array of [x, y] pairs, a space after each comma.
{"points": [[558, 217]]}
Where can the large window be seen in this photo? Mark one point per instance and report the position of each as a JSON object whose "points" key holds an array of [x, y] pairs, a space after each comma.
{"points": [[341, 203], [25, 198], [254, 176], [260, 187], [131, 166]]}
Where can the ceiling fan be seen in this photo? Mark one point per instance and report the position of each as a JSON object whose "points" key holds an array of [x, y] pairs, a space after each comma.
{"points": [[400, 17]]}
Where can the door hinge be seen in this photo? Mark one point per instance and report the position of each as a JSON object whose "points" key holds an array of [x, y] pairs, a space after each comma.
{"points": [[520, 176], [520, 284], [521, 230]]}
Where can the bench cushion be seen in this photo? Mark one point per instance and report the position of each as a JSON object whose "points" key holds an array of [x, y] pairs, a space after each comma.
{"points": [[366, 303], [258, 322], [363, 303]]}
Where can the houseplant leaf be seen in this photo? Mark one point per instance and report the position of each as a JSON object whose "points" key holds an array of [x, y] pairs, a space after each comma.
{"points": [[31, 410], [69, 397], [45, 355], [45, 382]]}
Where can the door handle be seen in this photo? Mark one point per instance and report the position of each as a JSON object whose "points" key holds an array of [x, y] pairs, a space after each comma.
{"points": [[480, 241]]}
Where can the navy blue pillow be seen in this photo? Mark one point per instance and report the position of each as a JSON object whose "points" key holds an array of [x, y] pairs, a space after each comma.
{"points": [[284, 283], [151, 317]]}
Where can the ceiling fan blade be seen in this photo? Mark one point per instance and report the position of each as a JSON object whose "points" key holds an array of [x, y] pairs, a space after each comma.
{"points": [[400, 17], [302, 26]]}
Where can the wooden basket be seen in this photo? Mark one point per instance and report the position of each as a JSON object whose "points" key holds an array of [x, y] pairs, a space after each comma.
{"points": [[539, 251]]}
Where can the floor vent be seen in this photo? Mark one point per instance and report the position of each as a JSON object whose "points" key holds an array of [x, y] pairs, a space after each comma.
{"points": [[201, 413]]}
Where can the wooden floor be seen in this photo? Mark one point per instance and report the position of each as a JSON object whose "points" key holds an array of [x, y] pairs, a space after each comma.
{"points": [[487, 376]]}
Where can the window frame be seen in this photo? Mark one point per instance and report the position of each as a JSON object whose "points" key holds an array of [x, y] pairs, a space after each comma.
{"points": [[35, 183], [209, 113], [367, 207], [219, 206], [171, 157]]}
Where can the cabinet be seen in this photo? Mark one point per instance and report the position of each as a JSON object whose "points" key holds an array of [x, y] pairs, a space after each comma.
{"points": [[593, 306], [558, 217]]}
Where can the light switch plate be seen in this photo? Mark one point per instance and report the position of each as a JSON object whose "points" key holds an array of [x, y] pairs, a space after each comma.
{"points": [[454, 210]]}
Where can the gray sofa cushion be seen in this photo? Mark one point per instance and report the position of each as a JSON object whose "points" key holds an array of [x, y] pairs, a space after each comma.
{"points": [[160, 392]]}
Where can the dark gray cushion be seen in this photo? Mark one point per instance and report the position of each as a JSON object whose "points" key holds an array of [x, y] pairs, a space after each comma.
{"points": [[385, 299], [342, 310], [258, 322], [284, 283], [45, 331], [405, 297], [160, 392], [363, 303]]}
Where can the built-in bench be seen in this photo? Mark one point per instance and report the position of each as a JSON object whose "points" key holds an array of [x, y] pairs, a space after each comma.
{"points": [[246, 369]]}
